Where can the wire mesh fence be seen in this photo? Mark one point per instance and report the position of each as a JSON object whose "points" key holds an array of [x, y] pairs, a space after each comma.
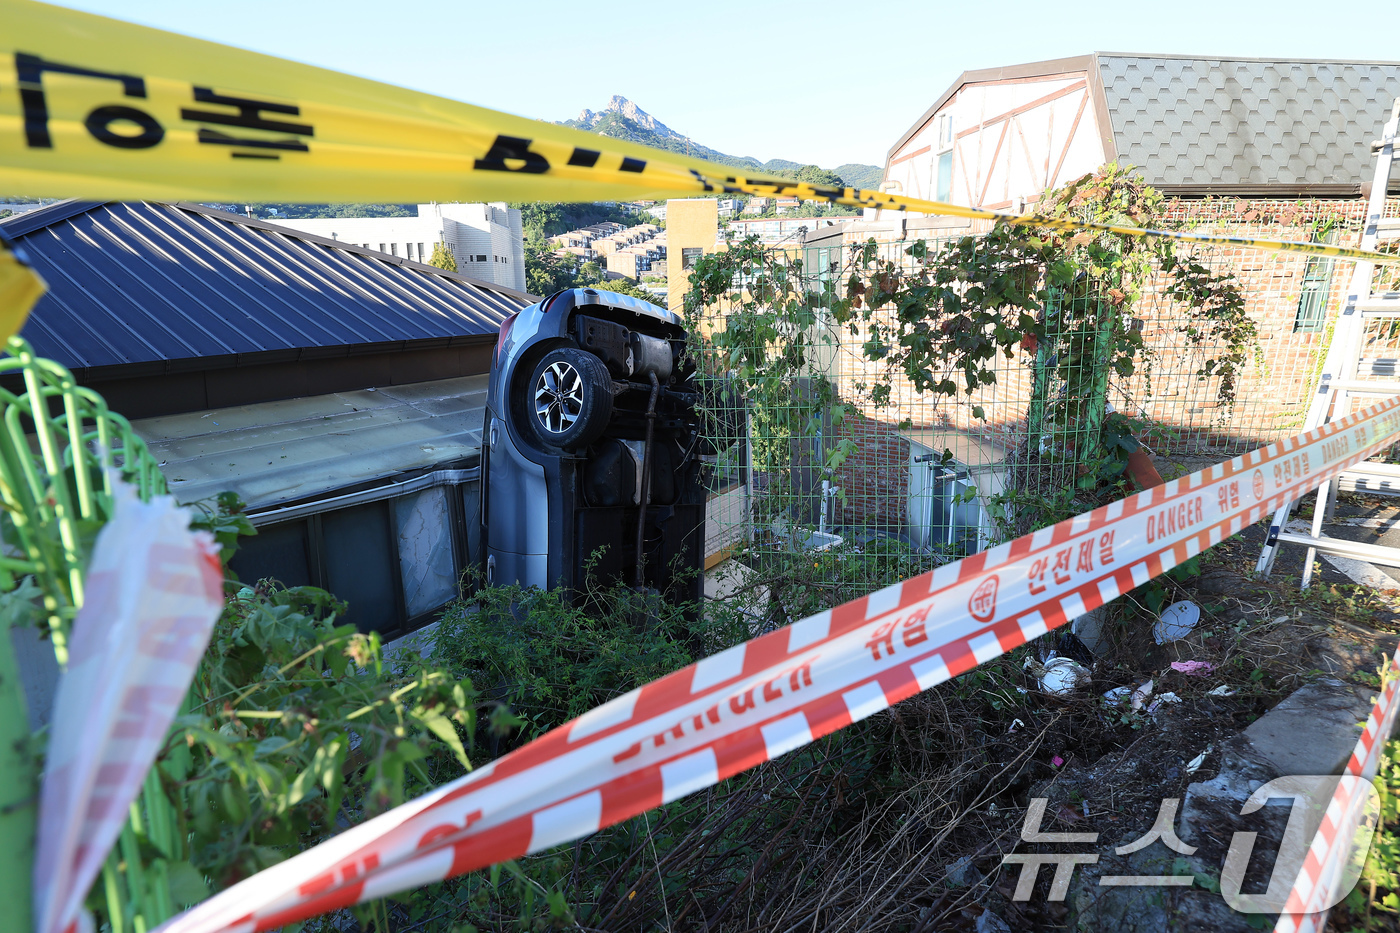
{"points": [[851, 476]]}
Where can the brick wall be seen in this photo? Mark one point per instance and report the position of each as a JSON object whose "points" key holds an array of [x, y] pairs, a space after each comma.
{"points": [[875, 478]]}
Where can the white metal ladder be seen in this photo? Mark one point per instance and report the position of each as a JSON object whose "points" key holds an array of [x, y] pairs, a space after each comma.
{"points": [[1338, 384]]}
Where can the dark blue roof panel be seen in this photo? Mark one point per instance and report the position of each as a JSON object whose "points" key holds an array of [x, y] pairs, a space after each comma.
{"points": [[151, 283]]}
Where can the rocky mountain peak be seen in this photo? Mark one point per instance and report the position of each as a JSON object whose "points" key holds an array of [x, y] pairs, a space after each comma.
{"points": [[626, 108]]}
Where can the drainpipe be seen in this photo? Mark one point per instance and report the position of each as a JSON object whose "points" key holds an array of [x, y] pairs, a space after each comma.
{"points": [[645, 499]]}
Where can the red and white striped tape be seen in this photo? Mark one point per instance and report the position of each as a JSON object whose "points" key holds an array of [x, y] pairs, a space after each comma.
{"points": [[1316, 887], [729, 712]]}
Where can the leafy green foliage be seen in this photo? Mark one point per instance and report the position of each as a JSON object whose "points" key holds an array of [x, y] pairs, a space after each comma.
{"points": [[543, 219], [620, 286], [547, 272], [535, 651], [858, 175], [816, 175], [299, 722], [767, 344], [224, 519], [941, 322], [805, 209], [442, 257], [1374, 904], [295, 726]]}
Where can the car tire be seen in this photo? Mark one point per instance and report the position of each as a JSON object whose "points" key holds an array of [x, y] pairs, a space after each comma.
{"points": [[570, 398]]}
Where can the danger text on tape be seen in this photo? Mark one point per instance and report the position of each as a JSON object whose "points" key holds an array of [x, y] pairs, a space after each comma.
{"points": [[782, 690]]}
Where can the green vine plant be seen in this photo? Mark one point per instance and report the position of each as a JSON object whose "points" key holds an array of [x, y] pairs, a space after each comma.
{"points": [[1066, 305], [939, 319], [762, 334]]}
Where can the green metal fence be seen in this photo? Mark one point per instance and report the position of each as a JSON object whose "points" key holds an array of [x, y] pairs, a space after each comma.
{"points": [[61, 451], [925, 478]]}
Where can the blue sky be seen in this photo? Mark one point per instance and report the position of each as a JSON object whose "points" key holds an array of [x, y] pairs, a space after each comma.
{"points": [[825, 82]]}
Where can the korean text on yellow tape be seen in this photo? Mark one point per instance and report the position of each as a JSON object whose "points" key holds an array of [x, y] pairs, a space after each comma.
{"points": [[111, 110]]}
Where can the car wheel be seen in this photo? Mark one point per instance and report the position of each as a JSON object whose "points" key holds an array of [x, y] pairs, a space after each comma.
{"points": [[570, 398]]}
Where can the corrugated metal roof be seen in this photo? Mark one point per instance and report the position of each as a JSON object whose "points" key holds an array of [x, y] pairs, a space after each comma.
{"points": [[186, 285], [275, 452], [1208, 121]]}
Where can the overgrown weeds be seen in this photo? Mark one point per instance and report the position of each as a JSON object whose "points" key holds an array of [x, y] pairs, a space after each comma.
{"points": [[552, 660]]}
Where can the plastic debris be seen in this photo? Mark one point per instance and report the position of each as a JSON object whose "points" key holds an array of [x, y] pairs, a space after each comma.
{"points": [[1014, 724], [1057, 761], [1194, 764], [1141, 694], [1137, 696], [1117, 695], [1221, 691], [1061, 676], [1193, 668], [1162, 700], [1176, 622]]}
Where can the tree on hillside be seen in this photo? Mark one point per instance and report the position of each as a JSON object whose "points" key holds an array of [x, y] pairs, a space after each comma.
{"points": [[442, 257], [546, 272], [541, 220], [551, 218], [821, 209], [858, 175], [815, 175], [628, 287]]}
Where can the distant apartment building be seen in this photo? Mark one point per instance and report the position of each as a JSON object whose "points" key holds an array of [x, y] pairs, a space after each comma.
{"points": [[787, 204], [621, 251], [758, 205], [485, 239], [631, 262]]}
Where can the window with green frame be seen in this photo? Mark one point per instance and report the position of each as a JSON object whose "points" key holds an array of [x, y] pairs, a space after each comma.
{"points": [[1312, 299]]}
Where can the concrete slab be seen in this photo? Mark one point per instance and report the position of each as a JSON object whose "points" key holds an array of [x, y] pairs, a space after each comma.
{"points": [[1314, 730], [730, 579]]}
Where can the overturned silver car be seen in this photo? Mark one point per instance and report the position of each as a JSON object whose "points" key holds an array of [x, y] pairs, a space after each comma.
{"points": [[591, 471]]}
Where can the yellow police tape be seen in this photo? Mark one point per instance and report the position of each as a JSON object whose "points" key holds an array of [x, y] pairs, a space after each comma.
{"points": [[20, 287], [112, 110]]}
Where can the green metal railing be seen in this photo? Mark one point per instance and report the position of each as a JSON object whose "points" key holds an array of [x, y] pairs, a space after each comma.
{"points": [[61, 451]]}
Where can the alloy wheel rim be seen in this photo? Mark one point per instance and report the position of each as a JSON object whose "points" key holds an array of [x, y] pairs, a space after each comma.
{"points": [[558, 397]]}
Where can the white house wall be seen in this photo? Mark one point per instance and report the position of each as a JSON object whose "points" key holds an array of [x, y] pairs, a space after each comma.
{"points": [[1012, 139]]}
